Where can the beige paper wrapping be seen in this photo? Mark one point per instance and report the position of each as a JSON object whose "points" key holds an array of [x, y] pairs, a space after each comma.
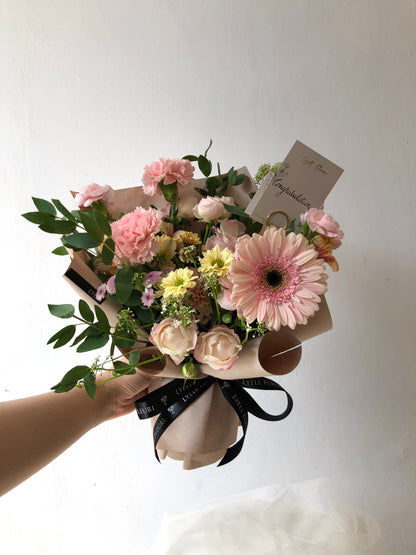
{"points": [[205, 430]]}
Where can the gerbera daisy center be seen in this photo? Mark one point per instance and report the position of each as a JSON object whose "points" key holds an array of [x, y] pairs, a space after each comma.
{"points": [[274, 278]]}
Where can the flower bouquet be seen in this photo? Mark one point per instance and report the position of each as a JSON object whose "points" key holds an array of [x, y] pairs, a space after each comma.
{"points": [[183, 284]]}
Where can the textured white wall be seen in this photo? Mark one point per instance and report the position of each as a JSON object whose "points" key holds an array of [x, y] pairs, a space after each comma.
{"points": [[92, 91]]}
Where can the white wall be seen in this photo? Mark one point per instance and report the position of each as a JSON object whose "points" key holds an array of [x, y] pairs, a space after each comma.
{"points": [[92, 91]]}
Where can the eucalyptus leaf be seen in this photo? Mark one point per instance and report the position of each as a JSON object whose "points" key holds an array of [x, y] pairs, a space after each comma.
{"points": [[64, 211], [85, 311], [123, 368], [134, 357], [91, 226], [124, 284], [38, 217], [90, 384], [144, 315], [63, 388], [202, 192], [135, 299], [102, 222], [88, 332], [60, 251], [107, 253], [92, 342], [44, 205], [102, 319], [61, 310], [204, 165], [231, 176], [81, 241], [74, 375], [123, 342], [241, 177], [237, 211], [58, 226], [58, 334], [304, 228], [65, 337]]}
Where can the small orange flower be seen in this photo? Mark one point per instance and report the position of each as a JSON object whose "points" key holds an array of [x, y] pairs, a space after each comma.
{"points": [[324, 249]]}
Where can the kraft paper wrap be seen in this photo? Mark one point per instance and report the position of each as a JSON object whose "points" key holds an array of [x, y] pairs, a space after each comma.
{"points": [[203, 432]]}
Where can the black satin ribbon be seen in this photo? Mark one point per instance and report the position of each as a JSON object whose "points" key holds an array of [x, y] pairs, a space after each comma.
{"points": [[170, 400]]}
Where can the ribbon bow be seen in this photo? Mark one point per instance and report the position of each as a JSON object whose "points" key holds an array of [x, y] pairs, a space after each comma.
{"points": [[170, 400]]}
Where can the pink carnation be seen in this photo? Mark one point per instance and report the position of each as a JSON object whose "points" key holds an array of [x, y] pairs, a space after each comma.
{"points": [[93, 193], [134, 235], [167, 170], [323, 223]]}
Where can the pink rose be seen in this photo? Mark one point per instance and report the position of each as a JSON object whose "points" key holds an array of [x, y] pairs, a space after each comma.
{"points": [[224, 298], [220, 239], [323, 223], [226, 236], [167, 170], [185, 206], [218, 348], [173, 339], [234, 228], [93, 193], [209, 209], [134, 236]]}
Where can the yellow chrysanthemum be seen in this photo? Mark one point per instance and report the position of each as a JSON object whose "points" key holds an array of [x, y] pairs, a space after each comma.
{"points": [[167, 249], [216, 261], [190, 238], [177, 283]]}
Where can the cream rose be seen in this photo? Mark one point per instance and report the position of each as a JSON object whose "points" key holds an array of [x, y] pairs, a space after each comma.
{"points": [[185, 206], [209, 209], [218, 348], [173, 339]]}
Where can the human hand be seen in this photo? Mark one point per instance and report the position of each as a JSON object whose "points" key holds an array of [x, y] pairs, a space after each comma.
{"points": [[117, 396]]}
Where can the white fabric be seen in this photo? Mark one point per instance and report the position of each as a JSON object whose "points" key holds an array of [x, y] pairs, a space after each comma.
{"points": [[284, 519]]}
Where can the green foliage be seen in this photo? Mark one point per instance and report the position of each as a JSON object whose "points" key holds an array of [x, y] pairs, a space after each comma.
{"points": [[44, 205], [60, 251], [107, 253], [90, 384], [204, 165], [61, 310], [123, 368], [91, 226], [62, 337], [264, 169], [38, 217], [291, 227], [85, 311], [102, 320], [102, 222], [80, 240], [92, 342], [71, 378], [64, 211], [134, 357], [124, 284], [60, 227]]}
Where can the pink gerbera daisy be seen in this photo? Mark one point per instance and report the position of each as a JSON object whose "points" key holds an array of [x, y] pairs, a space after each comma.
{"points": [[277, 279]]}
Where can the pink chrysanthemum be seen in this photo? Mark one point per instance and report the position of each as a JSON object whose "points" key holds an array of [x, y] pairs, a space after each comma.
{"points": [[148, 297], [134, 235], [277, 279]]}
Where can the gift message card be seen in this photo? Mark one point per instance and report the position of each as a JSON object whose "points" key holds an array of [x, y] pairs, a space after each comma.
{"points": [[303, 181]]}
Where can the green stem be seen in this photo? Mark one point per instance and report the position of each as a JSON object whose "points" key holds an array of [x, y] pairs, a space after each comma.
{"points": [[128, 368]]}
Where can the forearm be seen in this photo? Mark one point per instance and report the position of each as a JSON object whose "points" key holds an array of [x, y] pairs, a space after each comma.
{"points": [[35, 430]]}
